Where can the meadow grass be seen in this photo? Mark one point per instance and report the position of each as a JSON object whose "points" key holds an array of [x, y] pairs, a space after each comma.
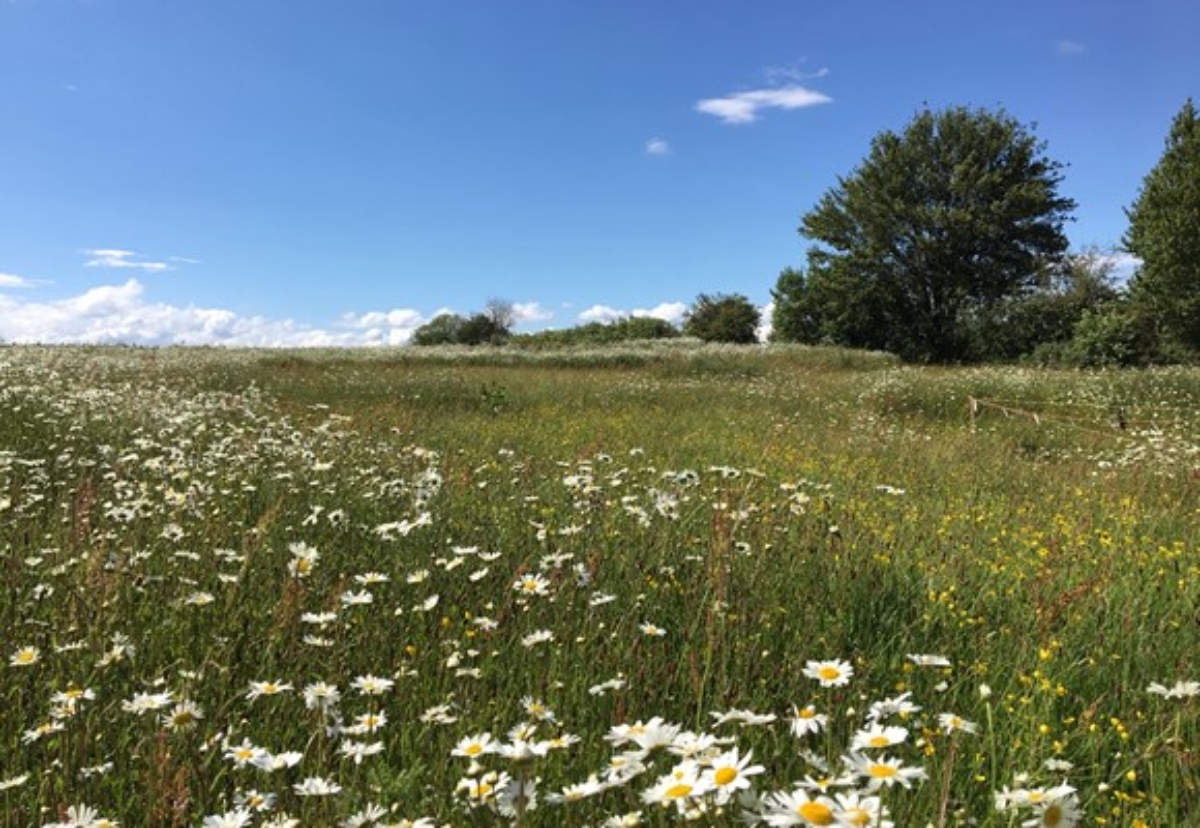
{"points": [[594, 587]]}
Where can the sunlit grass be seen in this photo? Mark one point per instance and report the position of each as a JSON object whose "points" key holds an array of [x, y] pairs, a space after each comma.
{"points": [[597, 587]]}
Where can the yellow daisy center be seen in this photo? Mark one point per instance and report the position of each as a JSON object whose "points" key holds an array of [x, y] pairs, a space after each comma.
{"points": [[725, 775], [881, 771], [816, 813], [880, 741], [1053, 816], [857, 816], [677, 791], [829, 673]]}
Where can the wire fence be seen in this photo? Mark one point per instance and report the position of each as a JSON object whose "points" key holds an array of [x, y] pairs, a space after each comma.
{"points": [[1104, 420]]}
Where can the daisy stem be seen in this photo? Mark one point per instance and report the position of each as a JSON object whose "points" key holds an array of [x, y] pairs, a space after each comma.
{"points": [[987, 706], [944, 797], [830, 749]]}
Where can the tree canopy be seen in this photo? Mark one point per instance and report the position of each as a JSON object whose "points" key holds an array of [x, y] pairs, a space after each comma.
{"points": [[944, 220], [443, 329], [624, 329], [723, 318], [1164, 232], [491, 326]]}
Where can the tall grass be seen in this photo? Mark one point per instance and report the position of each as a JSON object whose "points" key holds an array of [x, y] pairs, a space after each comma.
{"points": [[549, 547]]}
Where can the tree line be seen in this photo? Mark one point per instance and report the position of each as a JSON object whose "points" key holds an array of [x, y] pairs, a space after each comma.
{"points": [[946, 244]]}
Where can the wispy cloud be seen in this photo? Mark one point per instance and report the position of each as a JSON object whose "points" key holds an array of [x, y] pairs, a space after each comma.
{"points": [[658, 146], [12, 280], [128, 260], [744, 107], [1068, 48], [792, 74], [669, 311]]}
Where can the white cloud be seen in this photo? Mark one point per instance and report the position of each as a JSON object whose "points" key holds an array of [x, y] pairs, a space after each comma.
{"points": [[125, 259], [601, 313], [658, 146], [766, 323], [744, 107], [1069, 48], [126, 314], [1122, 265], [399, 318], [12, 280], [791, 74], [112, 314], [669, 311], [531, 312]]}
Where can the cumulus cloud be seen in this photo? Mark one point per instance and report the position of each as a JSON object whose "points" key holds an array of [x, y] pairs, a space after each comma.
{"points": [[658, 146], [672, 312], [744, 107], [399, 318], [394, 327], [530, 312], [126, 260], [121, 314], [601, 313]]}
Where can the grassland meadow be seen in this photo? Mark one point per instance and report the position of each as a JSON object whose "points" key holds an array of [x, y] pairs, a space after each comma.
{"points": [[631, 586]]}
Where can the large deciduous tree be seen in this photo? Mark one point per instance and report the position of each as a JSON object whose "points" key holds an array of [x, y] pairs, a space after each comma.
{"points": [[1164, 232], [940, 223]]}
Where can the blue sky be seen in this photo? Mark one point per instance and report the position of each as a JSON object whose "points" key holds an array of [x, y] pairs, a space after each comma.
{"points": [[339, 171]]}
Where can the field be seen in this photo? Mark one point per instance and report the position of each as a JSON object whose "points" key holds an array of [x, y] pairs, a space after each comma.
{"points": [[648, 585]]}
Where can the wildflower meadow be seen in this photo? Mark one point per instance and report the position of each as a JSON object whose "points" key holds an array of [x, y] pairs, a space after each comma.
{"points": [[643, 585]]}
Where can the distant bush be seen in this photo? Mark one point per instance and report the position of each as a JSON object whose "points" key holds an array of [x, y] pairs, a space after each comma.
{"points": [[491, 326], [625, 329], [723, 318], [443, 329], [1103, 338]]}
